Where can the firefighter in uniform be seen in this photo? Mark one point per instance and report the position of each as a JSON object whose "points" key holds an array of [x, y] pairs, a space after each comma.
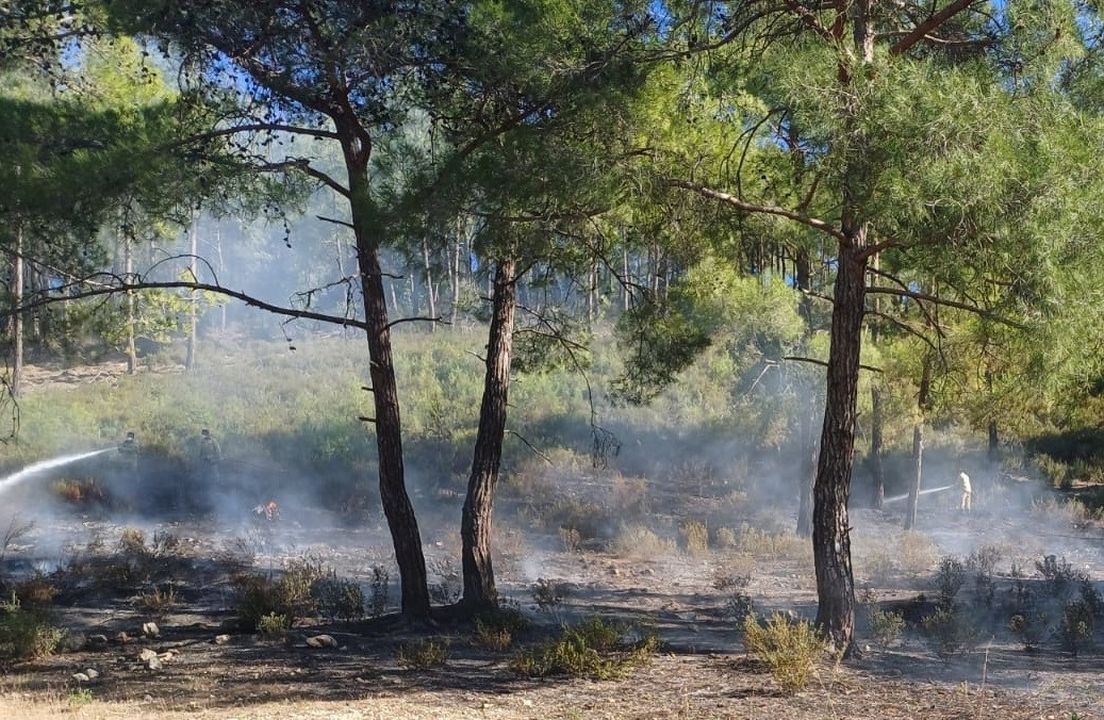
{"points": [[210, 455], [967, 492]]}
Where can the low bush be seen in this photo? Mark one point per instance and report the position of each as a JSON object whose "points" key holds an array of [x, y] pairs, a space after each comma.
{"points": [[724, 538], [288, 595], [447, 584], [593, 649], [497, 629], [37, 591], [1029, 628], [949, 579], [949, 632], [26, 633], [273, 625], [773, 545], [337, 598], [158, 601], [379, 590], [1076, 627], [570, 539], [695, 538], [425, 653], [791, 649], [638, 541], [886, 627]]}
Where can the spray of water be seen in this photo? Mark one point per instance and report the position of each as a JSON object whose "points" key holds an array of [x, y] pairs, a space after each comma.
{"points": [[898, 498], [33, 469]]}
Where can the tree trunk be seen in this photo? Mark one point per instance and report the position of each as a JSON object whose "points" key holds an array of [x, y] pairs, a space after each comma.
{"points": [[625, 279], [17, 318], [918, 445], [807, 422], [475, 528], [128, 269], [431, 300], [189, 362], [877, 469], [994, 438], [456, 279], [831, 529], [396, 502], [222, 273]]}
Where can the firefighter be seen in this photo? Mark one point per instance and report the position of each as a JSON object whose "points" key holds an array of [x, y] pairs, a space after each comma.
{"points": [[967, 492], [210, 455], [123, 482]]}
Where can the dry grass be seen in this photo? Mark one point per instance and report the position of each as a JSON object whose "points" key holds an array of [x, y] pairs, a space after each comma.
{"points": [[640, 542], [916, 553], [695, 538]]}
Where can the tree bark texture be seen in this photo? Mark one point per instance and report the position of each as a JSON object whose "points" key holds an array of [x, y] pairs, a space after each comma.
{"points": [[128, 269], [189, 362], [396, 502], [475, 528], [831, 528], [17, 318], [922, 402], [807, 428]]}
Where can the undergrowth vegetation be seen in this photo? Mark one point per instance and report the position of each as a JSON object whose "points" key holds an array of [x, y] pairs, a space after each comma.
{"points": [[594, 648]]}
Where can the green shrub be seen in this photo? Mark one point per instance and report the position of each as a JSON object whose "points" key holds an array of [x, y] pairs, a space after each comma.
{"points": [[1076, 627], [949, 632], [1029, 628], [337, 598], [886, 626], [273, 625], [790, 649], [949, 579], [26, 633], [288, 595], [592, 649], [425, 653]]}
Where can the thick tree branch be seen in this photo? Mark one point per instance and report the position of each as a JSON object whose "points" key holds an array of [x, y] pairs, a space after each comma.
{"points": [[258, 127], [981, 312], [739, 204], [101, 290], [921, 31], [822, 363]]}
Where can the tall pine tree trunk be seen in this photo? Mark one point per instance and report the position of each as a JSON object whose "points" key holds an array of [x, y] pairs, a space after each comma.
{"points": [[807, 422], [431, 300], [475, 528], [128, 270], [17, 318], [922, 402], [994, 437], [189, 362], [877, 471], [397, 507], [831, 527]]}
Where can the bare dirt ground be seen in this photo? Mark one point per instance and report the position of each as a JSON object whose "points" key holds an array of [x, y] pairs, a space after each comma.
{"points": [[700, 673]]}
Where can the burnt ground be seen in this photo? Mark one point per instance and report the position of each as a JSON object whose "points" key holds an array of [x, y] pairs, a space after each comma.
{"points": [[701, 671]]}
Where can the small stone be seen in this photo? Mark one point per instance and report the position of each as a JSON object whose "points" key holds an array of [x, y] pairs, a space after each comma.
{"points": [[122, 638], [526, 702], [321, 641], [81, 677], [92, 674], [96, 642], [166, 656], [148, 698], [151, 630], [222, 639], [147, 654], [154, 663]]}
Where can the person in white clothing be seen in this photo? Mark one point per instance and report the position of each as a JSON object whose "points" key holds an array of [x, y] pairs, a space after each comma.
{"points": [[967, 492]]}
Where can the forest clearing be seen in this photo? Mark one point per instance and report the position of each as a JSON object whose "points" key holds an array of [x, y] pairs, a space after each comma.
{"points": [[551, 358]]}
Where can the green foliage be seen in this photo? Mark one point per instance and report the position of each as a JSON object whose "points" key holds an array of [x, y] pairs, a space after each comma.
{"points": [[950, 631], [338, 598], [273, 625], [886, 626], [791, 649], [592, 649], [498, 629], [424, 654], [26, 633]]}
